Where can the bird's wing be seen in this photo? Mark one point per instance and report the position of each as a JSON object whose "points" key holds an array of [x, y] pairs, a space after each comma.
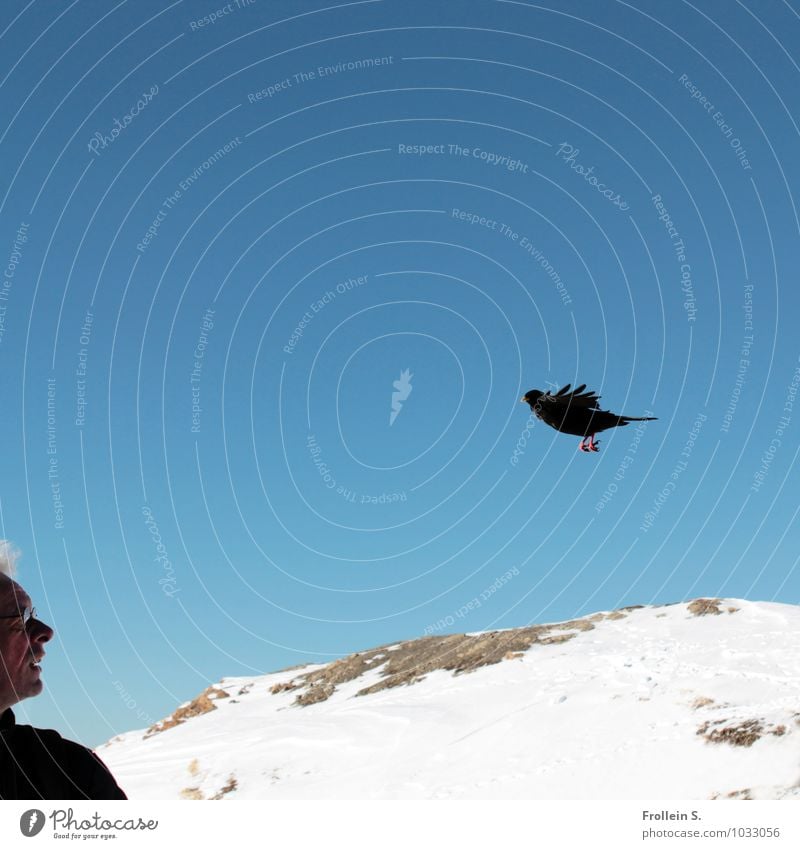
{"points": [[576, 398]]}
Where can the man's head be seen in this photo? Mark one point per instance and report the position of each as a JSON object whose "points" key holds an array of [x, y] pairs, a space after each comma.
{"points": [[21, 643]]}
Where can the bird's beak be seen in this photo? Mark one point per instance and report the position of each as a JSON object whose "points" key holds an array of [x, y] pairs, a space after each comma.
{"points": [[522, 399]]}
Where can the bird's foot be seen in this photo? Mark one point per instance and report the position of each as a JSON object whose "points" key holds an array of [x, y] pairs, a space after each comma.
{"points": [[588, 444]]}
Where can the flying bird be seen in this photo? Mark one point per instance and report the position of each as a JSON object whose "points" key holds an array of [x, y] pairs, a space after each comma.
{"points": [[576, 412]]}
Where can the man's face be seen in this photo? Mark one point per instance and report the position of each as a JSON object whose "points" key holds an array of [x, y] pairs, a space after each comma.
{"points": [[21, 646]]}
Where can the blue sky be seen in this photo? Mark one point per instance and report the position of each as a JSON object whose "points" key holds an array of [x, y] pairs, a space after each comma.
{"points": [[227, 231]]}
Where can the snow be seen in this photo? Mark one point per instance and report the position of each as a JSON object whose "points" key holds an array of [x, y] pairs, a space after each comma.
{"points": [[613, 713]]}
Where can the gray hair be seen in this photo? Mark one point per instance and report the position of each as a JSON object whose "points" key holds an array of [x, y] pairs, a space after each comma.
{"points": [[8, 558]]}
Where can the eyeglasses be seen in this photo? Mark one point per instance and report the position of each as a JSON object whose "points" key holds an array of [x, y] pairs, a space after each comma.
{"points": [[26, 615]]}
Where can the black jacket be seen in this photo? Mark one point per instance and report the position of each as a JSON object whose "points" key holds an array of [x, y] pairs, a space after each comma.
{"points": [[39, 764]]}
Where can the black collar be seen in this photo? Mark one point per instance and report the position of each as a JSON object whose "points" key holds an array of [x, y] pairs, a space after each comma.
{"points": [[7, 719]]}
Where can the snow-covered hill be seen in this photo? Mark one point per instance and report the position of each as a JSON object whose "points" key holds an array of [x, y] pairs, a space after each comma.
{"points": [[685, 701]]}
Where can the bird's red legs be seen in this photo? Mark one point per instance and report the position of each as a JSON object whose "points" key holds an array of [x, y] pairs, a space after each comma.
{"points": [[582, 447], [591, 445]]}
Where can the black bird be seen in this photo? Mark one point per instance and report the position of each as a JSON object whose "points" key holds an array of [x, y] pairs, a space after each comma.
{"points": [[576, 412]]}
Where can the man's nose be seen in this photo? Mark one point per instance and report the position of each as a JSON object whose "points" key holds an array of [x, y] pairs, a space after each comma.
{"points": [[41, 632]]}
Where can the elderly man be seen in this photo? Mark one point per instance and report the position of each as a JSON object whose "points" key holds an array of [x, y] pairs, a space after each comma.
{"points": [[36, 764]]}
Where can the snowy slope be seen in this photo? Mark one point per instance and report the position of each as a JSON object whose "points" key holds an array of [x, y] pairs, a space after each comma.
{"points": [[673, 702]]}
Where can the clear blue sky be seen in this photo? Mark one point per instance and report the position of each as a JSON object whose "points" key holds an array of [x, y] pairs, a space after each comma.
{"points": [[227, 230]]}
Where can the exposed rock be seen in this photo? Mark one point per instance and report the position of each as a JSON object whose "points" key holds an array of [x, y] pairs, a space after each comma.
{"points": [[282, 687], [319, 691], [198, 706], [705, 607], [194, 793], [735, 794], [741, 734], [229, 787], [411, 661]]}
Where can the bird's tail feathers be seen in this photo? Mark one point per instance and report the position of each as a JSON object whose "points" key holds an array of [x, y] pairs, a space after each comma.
{"points": [[626, 419]]}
